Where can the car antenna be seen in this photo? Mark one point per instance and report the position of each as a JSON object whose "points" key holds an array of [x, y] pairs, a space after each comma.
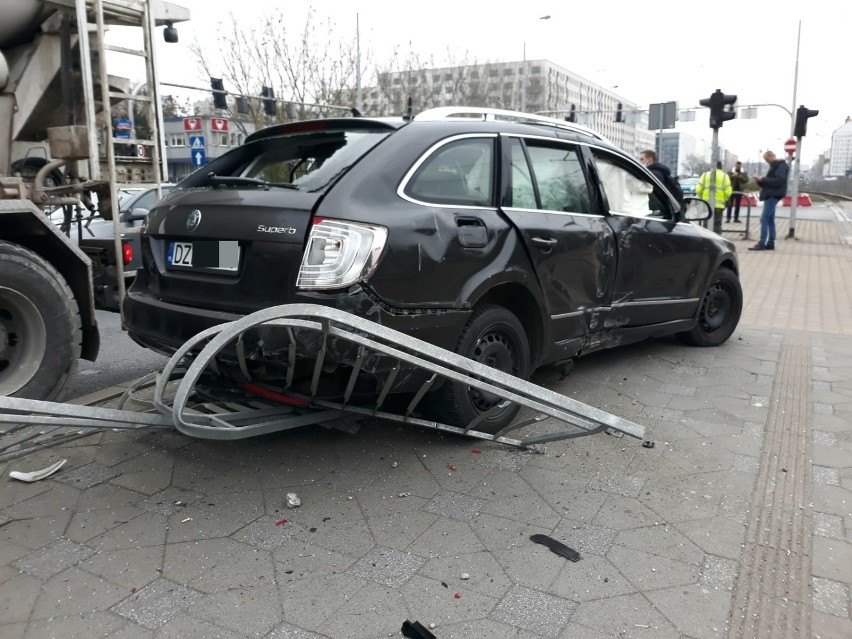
{"points": [[409, 111], [356, 112]]}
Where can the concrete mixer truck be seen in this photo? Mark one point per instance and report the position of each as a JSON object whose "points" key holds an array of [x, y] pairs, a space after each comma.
{"points": [[60, 150]]}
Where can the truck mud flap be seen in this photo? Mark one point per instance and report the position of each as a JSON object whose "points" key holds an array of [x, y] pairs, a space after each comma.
{"points": [[249, 409]]}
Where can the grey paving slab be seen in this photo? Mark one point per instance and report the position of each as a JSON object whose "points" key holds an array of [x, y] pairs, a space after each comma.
{"points": [[213, 565], [157, 603], [268, 533], [719, 573], [455, 506], [539, 612], [651, 572], [96, 624], [696, 611], [289, 631], [88, 475], [583, 537], [50, 560], [17, 598], [132, 568], [629, 615], [387, 567], [831, 597], [76, 592], [591, 578], [259, 609]]}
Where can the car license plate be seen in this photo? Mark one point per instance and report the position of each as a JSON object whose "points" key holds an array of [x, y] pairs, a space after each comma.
{"points": [[204, 255]]}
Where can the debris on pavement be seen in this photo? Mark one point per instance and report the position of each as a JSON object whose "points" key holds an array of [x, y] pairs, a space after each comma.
{"points": [[451, 468], [647, 444], [415, 630], [613, 432], [457, 595], [293, 500], [395, 464], [465, 576], [556, 546], [36, 475], [281, 522], [475, 452]]}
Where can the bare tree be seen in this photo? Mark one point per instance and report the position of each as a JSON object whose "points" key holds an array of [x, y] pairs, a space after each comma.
{"points": [[696, 164], [309, 66]]}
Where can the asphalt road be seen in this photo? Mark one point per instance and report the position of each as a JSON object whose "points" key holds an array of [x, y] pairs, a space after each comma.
{"points": [[120, 359]]}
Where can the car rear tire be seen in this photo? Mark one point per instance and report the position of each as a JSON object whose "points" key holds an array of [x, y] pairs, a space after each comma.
{"points": [[40, 334], [719, 313], [495, 337]]}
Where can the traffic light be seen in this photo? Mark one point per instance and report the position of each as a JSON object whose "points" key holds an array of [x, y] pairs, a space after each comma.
{"points": [[802, 115], [219, 93], [722, 108], [242, 105], [268, 100], [619, 115]]}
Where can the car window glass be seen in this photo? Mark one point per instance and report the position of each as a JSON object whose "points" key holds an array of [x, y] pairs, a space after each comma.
{"points": [[146, 201], [559, 175], [311, 160], [459, 172], [523, 193], [628, 191]]}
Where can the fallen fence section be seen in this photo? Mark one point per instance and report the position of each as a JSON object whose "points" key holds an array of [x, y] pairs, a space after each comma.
{"points": [[178, 404]]}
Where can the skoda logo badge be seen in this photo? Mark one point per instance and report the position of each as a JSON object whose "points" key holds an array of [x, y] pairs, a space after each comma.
{"points": [[193, 220]]}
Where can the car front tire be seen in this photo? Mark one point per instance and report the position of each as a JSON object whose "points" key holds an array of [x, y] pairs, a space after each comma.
{"points": [[495, 337], [719, 314]]}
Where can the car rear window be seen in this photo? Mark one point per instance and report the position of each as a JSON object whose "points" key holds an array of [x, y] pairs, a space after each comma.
{"points": [[308, 161]]}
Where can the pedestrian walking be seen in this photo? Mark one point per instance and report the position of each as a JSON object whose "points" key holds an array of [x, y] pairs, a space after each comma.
{"points": [[723, 192], [739, 179], [773, 187]]}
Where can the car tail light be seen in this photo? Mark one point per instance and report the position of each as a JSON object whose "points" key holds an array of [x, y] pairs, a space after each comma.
{"points": [[339, 254], [126, 252]]}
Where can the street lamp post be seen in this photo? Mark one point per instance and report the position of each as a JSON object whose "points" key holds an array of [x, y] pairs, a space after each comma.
{"points": [[524, 73]]}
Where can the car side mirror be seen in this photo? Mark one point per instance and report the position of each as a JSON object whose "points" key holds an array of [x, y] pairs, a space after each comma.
{"points": [[138, 214], [695, 209]]}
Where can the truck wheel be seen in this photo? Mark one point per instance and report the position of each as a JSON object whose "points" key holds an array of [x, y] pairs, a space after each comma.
{"points": [[494, 337], [40, 334], [720, 311]]}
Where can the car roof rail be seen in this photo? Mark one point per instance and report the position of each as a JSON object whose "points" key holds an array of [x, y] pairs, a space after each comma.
{"points": [[484, 113]]}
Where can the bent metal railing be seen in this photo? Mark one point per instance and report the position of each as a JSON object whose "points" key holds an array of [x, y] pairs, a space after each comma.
{"points": [[249, 410]]}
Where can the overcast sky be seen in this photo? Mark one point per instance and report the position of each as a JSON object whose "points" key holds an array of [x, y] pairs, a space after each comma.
{"points": [[645, 51]]}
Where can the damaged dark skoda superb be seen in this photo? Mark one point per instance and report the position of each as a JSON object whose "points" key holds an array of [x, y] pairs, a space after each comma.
{"points": [[511, 239]]}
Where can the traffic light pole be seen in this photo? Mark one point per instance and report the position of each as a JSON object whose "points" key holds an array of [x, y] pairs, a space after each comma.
{"points": [[794, 189]]}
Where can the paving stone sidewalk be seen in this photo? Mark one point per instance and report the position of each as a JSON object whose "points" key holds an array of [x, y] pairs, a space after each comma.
{"points": [[737, 523]]}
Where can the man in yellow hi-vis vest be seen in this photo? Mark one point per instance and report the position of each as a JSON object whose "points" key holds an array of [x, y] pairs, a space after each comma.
{"points": [[723, 192]]}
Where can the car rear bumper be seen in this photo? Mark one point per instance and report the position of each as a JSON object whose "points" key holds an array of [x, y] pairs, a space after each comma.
{"points": [[164, 327]]}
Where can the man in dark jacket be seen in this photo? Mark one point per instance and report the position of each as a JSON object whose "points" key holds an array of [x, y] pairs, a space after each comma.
{"points": [[773, 187], [648, 157]]}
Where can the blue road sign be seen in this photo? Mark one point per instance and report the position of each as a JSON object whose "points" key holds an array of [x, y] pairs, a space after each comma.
{"points": [[199, 157], [196, 142], [122, 128]]}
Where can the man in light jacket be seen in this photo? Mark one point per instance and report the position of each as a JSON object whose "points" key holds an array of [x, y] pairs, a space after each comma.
{"points": [[773, 187], [723, 192]]}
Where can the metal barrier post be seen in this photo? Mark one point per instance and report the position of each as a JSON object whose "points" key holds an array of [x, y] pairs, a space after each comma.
{"points": [[741, 195]]}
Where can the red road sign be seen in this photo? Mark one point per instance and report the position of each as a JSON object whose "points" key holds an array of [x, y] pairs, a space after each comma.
{"points": [[218, 124], [192, 124], [790, 146]]}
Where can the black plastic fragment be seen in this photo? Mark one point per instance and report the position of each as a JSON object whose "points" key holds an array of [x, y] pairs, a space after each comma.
{"points": [[556, 546], [647, 444], [415, 630]]}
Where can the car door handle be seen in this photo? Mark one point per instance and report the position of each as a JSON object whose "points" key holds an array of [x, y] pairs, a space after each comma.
{"points": [[544, 242]]}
